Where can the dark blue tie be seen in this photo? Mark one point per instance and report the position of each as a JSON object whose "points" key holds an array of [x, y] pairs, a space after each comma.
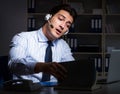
{"points": [[48, 58]]}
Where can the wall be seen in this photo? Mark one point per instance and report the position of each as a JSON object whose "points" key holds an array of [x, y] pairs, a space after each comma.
{"points": [[13, 19]]}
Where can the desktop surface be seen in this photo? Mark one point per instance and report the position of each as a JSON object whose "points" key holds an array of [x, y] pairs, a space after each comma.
{"points": [[113, 88]]}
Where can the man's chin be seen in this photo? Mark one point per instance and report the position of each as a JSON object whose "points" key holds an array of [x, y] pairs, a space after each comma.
{"points": [[56, 36]]}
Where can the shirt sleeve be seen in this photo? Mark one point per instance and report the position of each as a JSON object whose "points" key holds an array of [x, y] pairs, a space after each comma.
{"points": [[18, 52]]}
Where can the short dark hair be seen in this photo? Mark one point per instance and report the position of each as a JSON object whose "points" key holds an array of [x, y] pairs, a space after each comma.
{"points": [[65, 7]]}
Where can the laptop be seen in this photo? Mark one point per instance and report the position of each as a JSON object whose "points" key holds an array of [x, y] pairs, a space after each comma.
{"points": [[113, 69], [81, 76]]}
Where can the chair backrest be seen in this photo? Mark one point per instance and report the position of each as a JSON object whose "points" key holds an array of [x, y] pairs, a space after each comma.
{"points": [[5, 73]]}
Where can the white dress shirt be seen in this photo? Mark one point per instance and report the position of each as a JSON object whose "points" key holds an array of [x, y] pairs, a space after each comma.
{"points": [[28, 48]]}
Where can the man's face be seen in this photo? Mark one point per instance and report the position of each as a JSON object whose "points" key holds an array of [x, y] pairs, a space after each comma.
{"points": [[61, 22]]}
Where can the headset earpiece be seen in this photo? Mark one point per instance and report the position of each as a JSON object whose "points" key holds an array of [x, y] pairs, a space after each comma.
{"points": [[72, 26], [66, 32], [48, 16]]}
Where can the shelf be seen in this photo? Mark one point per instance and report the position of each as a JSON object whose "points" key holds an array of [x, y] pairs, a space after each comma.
{"points": [[88, 53], [85, 33], [36, 14], [112, 34]]}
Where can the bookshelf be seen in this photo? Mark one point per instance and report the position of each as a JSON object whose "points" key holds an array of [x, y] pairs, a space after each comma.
{"points": [[111, 26], [88, 32], [95, 32]]}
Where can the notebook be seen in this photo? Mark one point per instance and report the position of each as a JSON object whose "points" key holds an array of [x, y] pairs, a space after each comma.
{"points": [[81, 76], [114, 68]]}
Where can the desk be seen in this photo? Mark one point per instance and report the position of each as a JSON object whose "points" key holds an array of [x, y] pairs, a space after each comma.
{"points": [[113, 88]]}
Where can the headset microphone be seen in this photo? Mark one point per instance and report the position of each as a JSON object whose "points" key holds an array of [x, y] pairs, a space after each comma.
{"points": [[47, 17], [50, 24]]}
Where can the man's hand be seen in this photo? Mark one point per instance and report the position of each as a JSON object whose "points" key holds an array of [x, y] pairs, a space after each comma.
{"points": [[53, 68]]}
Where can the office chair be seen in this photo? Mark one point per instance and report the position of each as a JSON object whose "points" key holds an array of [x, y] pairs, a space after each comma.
{"points": [[5, 73]]}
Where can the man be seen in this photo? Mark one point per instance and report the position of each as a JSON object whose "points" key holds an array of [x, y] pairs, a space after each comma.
{"points": [[28, 49]]}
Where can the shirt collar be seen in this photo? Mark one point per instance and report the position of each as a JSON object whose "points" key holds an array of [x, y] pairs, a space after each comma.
{"points": [[42, 37]]}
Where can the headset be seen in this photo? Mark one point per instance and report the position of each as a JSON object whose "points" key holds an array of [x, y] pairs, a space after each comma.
{"points": [[47, 17]]}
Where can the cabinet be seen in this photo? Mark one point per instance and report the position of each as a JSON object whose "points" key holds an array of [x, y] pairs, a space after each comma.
{"points": [[95, 32]]}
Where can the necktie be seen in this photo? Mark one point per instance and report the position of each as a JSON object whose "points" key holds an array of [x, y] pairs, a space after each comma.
{"points": [[48, 58]]}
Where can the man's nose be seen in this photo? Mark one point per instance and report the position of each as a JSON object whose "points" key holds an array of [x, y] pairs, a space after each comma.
{"points": [[61, 27]]}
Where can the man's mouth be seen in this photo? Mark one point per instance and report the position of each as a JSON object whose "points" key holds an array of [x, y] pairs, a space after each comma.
{"points": [[58, 31]]}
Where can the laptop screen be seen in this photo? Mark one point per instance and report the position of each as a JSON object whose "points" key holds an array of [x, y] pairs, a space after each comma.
{"points": [[80, 73], [114, 66]]}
